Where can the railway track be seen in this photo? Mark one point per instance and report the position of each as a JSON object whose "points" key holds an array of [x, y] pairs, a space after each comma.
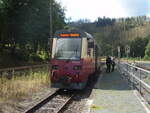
{"points": [[54, 103], [144, 67]]}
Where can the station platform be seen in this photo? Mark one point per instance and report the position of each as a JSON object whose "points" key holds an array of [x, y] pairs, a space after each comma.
{"points": [[113, 95]]}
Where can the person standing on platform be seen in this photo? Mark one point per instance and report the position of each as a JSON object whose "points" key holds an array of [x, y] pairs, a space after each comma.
{"points": [[113, 64], [108, 64]]}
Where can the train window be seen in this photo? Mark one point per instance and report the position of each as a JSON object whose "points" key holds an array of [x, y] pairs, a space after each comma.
{"points": [[90, 44], [68, 48]]}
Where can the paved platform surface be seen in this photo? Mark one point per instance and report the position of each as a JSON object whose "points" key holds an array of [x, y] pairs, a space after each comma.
{"points": [[112, 95]]}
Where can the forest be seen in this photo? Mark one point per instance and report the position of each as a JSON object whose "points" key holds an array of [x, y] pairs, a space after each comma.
{"points": [[25, 32], [111, 33]]}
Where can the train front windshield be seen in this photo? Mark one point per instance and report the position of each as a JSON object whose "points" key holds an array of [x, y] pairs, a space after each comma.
{"points": [[68, 48]]}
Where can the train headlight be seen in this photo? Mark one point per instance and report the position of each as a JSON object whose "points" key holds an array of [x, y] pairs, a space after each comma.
{"points": [[77, 68], [55, 67]]}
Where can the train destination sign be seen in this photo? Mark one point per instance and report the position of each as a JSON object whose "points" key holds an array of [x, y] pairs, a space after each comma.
{"points": [[69, 35]]}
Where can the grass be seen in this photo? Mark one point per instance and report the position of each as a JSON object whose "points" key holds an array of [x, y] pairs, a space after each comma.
{"points": [[22, 86], [134, 59]]}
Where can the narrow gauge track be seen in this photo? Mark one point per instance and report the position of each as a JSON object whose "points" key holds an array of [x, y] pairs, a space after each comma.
{"points": [[144, 67], [54, 103]]}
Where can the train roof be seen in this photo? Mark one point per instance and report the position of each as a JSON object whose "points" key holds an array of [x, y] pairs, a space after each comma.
{"points": [[74, 31]]}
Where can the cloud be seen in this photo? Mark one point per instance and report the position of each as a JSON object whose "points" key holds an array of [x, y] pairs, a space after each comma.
{"points": [[136, 7], [91, 9]]}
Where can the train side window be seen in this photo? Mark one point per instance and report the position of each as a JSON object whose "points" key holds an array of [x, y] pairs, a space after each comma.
{"points": [[91, 48], [90, 44]]}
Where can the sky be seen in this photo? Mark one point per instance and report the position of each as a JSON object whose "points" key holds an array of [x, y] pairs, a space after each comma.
{"points": [[92, 9]]}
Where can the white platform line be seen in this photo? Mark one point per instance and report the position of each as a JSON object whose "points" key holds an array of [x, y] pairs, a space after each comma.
{"points": [[88, 105], [142, 101]]}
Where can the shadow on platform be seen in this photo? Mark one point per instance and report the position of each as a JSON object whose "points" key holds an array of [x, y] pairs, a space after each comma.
{"points": [[111, 81]]}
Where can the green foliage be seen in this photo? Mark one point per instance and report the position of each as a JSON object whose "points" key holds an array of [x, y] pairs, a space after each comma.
{"points": [[102, 22], [25, 27], [58, 17], [111, 33], [147, 51], [138, 47]]}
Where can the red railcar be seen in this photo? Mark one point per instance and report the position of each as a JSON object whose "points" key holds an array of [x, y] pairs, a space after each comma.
{"points": [[74, 59]]}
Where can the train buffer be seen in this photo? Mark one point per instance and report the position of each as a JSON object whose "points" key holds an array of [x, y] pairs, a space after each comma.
{"points": [[113, 94]]}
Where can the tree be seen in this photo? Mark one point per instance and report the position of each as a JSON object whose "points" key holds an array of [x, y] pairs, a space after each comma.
{"points": [[138, 47], [110, 33], [147, 51], [25, 26]]}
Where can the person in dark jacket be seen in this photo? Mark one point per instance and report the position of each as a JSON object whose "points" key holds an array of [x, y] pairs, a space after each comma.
{"points": [[108, 64], [113, 64]]}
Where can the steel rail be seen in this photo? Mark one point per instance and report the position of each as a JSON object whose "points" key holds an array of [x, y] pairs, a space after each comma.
{"points": [[35, 107], [47, 99], [65, 104]]}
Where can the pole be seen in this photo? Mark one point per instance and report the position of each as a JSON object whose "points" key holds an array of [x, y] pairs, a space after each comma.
{"points": [[51, 26], [112, 52], [51, 35]]}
